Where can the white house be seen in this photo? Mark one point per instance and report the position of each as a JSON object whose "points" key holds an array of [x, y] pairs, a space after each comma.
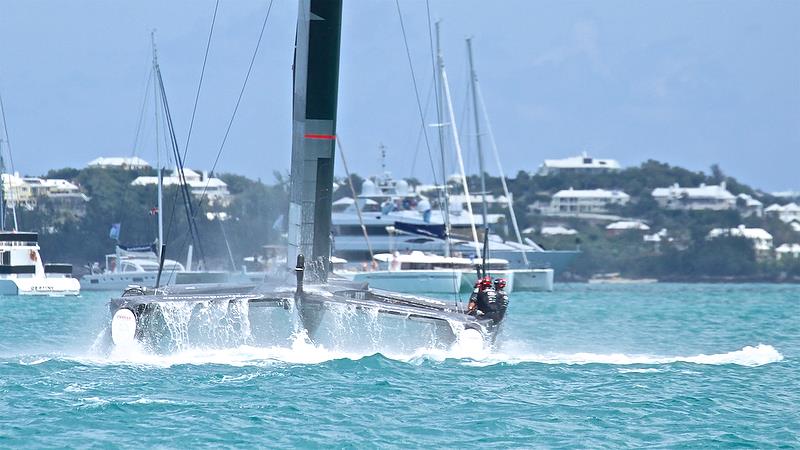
{"points": [[558, 230], [17, 192], [214, 189], [626, 225], [787, 213], [749, 206], [787, 251], [25, 192], [578, 164], [586, 200], [704, 197], [762, 240], [130, 163], [658, 236]]}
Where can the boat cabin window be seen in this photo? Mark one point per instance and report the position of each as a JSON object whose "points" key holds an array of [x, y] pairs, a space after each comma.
{"points": [[150, 267], [6, 258], [417, 266], [128, 267]]}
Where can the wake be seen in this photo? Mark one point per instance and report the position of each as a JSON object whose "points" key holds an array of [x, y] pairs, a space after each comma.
{"points": [[301, 351], [748, 356]]}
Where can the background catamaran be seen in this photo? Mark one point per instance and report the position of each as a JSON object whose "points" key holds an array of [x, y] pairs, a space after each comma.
{"points": [[139, 313], [22, 271]]}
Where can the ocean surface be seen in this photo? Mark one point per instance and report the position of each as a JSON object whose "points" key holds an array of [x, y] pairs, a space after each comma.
{"points": [[661, 365]]}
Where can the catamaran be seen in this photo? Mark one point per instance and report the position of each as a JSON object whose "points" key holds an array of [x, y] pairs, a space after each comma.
{"points": [[22, 271], [426, 273], [136, 314], [128, 265]]}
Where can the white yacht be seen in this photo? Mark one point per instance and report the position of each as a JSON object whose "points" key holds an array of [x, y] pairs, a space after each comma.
{"points": [[22, 271], [399, 217], [419, 272], [129, 266]]}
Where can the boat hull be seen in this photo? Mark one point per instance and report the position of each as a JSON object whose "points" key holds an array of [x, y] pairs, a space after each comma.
{"points": [[537, 280], [37, 287], [120, 281], [412, 281], [117, 281]]}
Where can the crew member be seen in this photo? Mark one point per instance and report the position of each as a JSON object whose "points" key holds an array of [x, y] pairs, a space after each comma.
{"points": [[502, 298], [483, 298]]}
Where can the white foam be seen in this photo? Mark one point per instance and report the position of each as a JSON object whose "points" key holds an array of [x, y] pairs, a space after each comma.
{"points": [[748, 356], [95, 401], [151, 401], [300, 351], [645, 370], [34, 361]]}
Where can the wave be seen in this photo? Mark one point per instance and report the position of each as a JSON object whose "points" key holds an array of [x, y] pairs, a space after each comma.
{"points": [[302, 351]]}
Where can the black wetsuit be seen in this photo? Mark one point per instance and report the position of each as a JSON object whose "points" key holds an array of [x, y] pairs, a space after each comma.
{"points": [[502, 304], [487, 303]]}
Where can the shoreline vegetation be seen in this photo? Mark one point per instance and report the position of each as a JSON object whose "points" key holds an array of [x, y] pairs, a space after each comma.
{"points": [[254, 216]]}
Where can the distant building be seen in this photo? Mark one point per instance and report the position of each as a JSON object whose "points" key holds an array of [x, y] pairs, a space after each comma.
{"points": [[659, 236], [762, 240], [130, 163], [558, 230], [622, 226], [17, 192], [789, 195], [586, 200], [578, 164], [655, 239], [787, 251], [787, 213], [61, 196], [711, 197], [214, 189], [749, 206]]}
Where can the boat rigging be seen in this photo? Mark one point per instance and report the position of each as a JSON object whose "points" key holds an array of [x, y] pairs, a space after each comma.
{"points": [[316, 78]]}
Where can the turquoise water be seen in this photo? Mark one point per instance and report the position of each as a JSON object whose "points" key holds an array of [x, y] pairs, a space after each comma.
{"points": [[587, 366]]}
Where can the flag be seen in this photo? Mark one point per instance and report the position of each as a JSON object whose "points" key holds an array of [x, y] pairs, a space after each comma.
{"points": [[113, 233]]}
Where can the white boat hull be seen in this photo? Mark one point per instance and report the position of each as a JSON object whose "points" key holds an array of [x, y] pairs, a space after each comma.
{"points": [[526, 280], [118, 281], [57, 286], [411, 281], [517, 280], [446, 281]]}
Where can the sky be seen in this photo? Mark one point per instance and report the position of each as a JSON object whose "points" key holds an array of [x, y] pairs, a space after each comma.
{"points": [[691, 83]]}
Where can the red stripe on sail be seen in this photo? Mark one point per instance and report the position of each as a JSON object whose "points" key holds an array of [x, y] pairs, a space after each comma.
{"points": [[328, 137]]}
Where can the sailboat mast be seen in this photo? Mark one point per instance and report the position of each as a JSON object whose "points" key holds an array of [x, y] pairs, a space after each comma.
{"points": [[2, 190], [440, 127], [11, 158], [506, 192], [316, 86], [457, 143], [473, 81], [160, 206]]}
